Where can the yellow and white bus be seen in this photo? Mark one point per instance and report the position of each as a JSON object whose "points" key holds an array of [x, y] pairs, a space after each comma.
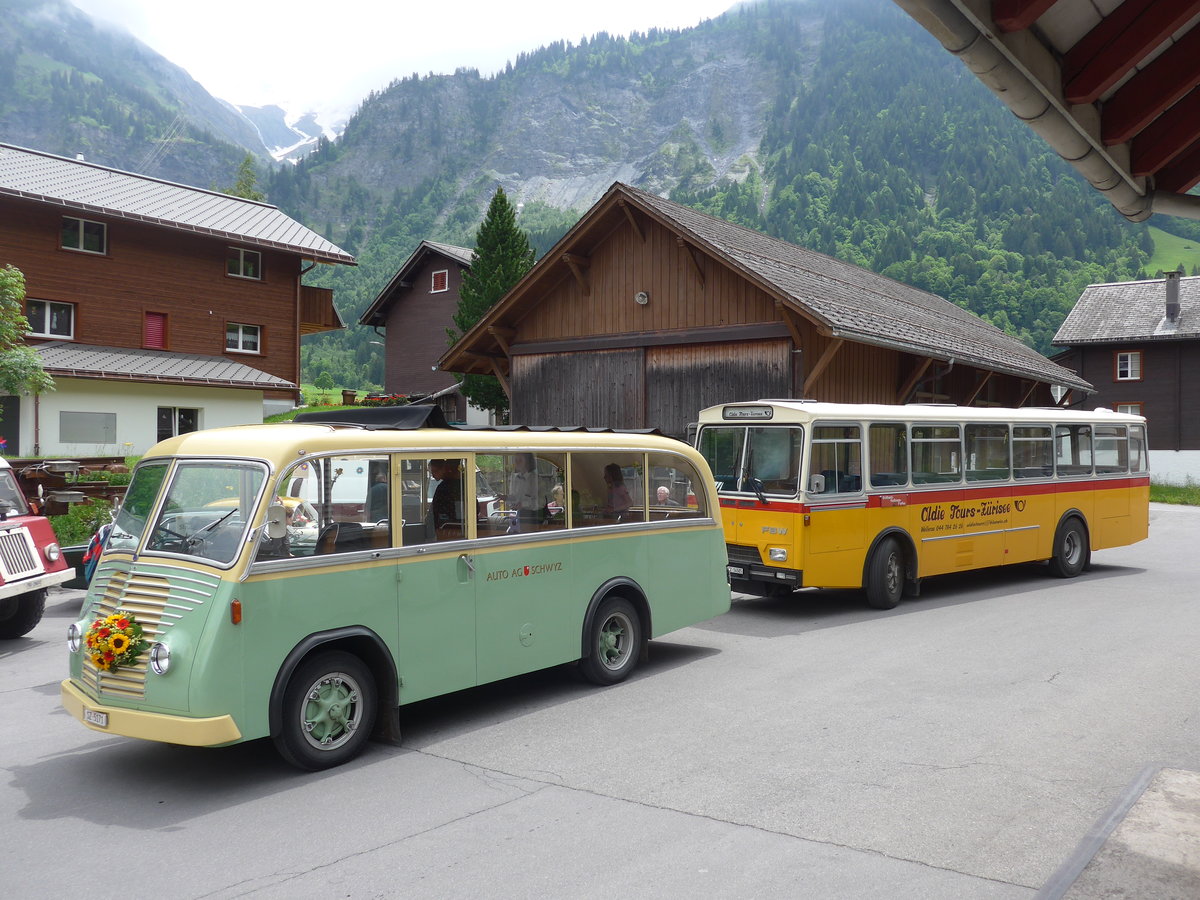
{"points": [[305, 581], [878, 497]]}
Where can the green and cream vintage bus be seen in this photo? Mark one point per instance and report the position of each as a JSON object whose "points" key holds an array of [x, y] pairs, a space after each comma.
{"points": [[304, 581]]}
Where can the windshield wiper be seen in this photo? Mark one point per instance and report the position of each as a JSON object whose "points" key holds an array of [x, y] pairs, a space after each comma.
{"points": [[195, 536]]}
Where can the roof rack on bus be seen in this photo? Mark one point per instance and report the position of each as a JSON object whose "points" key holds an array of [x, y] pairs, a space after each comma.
{"points": [[562, 428], [379, 418]]}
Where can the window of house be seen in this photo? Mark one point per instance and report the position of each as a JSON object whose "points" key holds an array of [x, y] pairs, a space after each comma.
{"points": [[1129, 366], [243, 338], [84, 235], [175, 420], [87, 427], [1134, 409], [154, 331], [441, 281], [244, 263], [50, 319]]}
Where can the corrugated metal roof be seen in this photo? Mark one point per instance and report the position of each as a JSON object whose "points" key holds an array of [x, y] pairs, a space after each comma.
{"points": [[375, 313], [62, 358], [89, 188], [858, 304], [1131, 310]]}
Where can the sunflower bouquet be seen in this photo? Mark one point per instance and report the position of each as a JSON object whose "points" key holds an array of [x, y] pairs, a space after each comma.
{"points": [[114, 641]]}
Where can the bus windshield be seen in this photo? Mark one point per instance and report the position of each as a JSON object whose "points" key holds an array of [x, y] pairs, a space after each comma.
{"points": [[204, 512], [739, 455]]}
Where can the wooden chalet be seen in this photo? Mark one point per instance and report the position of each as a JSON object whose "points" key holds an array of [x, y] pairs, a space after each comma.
{"points": [[648, 311], [1139, 343], [414, 311], [158, 308]]}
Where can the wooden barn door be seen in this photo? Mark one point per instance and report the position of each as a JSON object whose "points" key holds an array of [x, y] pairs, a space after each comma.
{"points": [[683, 379], [596, 389]]}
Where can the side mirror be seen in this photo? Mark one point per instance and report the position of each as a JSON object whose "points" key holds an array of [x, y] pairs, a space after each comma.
{"points": [[816, 484], [276, 524]]}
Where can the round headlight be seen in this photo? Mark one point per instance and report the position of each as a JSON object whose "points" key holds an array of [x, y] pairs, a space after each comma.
{"points": [[52, 551], [74, 638], [160, 658]]}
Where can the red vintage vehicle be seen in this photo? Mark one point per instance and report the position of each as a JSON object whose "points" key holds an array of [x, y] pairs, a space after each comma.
{"points": [[30, 559]]}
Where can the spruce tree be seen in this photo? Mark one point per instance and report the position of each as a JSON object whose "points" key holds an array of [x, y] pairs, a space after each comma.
{"points": [[501, 258]]}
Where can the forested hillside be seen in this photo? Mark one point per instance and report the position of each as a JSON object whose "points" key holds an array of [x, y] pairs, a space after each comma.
{"points": [[837, 124], [71, 86], [840, 126]]}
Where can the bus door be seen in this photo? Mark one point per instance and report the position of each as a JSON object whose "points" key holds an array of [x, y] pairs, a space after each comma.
{"points": [[528, 598], [435, 584], [834, 532]]}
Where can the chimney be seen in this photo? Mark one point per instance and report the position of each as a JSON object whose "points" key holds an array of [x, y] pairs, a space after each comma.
{"points": [[79, 156], [1172, 296]]}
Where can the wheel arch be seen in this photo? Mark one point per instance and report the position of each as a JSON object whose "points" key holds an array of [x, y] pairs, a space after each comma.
{"points": [[905, 540], [1075, 513], [621, 586], [363, 643]]}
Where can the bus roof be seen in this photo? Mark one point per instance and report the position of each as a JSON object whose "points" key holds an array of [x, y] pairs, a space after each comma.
{"points": [[803, 411], [285, 442]]}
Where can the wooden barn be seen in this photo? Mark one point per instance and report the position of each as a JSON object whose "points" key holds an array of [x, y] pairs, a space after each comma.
{"points": [[648, 311]]}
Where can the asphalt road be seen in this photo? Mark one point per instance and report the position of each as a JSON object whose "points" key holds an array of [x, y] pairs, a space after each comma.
{"points": [[957, 747]]}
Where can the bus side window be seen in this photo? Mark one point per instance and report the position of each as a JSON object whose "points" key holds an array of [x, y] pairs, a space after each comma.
{"points": [[936, 454], [606, 488], [987, 452], [837, 457], [1033, 451], [888, 447], [1112, 450], [672, 494], [1073, 449]]}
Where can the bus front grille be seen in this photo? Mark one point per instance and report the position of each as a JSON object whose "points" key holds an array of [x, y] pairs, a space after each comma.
{"points": [[157, 603], [18, 556], [740, 554]]}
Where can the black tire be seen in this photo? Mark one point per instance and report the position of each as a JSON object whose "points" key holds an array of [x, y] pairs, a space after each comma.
{"points": [[1071, 550], [614, 642], [886, 574], [329, 709], [19, 615]]}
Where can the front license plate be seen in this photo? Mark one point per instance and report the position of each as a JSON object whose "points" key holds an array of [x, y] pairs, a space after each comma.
{"points": [[736, 570], [92, 717]]}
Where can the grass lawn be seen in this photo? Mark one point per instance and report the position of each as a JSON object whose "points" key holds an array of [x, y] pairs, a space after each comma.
{"points": [[1185, 495], [1170, 251]]}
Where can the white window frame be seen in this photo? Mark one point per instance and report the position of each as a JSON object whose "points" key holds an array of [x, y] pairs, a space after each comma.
{"points": [[239, 255], [79, 233], [42, 329], [433, 288], [241, 337], [1129, 365], [1134, 409]]}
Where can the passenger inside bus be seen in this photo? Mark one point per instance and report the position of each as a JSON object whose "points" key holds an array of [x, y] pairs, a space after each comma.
{"points": [[445, 511]]}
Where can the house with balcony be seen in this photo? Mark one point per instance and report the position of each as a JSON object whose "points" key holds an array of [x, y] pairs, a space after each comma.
{"points": [[158, 308]]}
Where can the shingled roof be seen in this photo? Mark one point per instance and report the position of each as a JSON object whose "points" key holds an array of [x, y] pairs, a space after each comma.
{"points": [[66, 359], [85, 187], [1131, 310], [849, 301]]}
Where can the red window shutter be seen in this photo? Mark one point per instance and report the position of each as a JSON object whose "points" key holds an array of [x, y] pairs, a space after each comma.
{"points": [[439, 280], [155, 331]]}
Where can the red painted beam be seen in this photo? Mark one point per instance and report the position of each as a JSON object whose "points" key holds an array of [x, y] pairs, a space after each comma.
{"points": [[1167, 136], [1017, 15], [1181, 175], [1148, 93], [1104, 55]]}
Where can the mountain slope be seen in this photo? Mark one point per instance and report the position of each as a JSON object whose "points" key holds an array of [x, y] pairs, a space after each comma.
{"points": [[69, 85], [836, 124]]}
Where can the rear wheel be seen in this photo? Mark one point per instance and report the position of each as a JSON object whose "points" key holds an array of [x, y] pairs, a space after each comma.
{"points": [[885, 575], [1070, 549], [329, 708], [19, 615], [614, 642]]}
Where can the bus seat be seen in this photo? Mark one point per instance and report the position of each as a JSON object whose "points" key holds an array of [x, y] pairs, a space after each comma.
{"points": [[327, 538], [349, 538], [450, 531]]}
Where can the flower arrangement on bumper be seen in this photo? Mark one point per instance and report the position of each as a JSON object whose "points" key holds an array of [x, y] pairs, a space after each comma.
{"points": [[114, 641]]}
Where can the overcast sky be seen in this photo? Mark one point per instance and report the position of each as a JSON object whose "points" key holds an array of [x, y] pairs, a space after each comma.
{"points": [[326, 55]]}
